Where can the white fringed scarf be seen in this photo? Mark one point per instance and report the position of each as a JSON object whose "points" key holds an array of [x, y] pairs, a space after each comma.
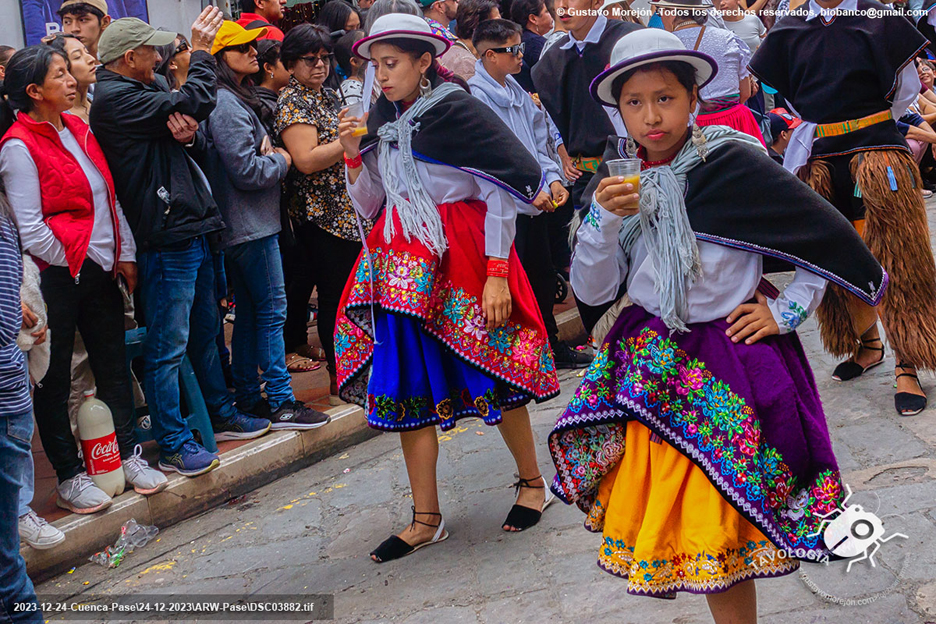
{"points": [[418, 215]]}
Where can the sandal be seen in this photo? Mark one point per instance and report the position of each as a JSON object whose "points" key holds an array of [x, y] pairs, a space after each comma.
{"points": [[909, 404], [394, 547], [316, 354], [522, 518], [296, 363], [851, 369]]}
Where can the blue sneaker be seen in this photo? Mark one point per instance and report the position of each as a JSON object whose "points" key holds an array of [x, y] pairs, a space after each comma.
{"points": [[240, 427], [191, 460]]}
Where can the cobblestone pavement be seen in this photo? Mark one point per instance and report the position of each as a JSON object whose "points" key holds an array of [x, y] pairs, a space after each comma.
{"points": [[311, 531]]}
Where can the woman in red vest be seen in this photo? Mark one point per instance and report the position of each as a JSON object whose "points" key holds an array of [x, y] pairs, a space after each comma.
{"points": [[63, 200]]}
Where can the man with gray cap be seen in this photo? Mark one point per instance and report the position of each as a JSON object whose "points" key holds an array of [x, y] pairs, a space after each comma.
{"points": [[148, 135]]}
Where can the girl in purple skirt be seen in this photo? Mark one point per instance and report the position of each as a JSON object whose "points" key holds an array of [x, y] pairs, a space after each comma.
{"points": [[697, 442]]}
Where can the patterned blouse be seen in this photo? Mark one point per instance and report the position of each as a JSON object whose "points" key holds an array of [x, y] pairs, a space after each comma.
{"points": [[319, 197]]}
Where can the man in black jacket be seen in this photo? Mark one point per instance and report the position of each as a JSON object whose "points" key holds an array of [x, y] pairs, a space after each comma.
{"points": [[148, 136]]}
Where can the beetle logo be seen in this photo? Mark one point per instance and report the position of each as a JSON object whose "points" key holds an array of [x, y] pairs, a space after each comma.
{"points": [[854, 531]]}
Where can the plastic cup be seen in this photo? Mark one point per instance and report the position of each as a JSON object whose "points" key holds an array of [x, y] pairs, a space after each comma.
{"points": [[356, 109], [628, 168]]}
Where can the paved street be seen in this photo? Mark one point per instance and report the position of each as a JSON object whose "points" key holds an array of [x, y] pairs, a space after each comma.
{"points": [[311, 532]]}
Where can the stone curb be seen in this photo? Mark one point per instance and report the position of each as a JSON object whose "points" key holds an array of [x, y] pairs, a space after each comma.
{"points": [[243, 469]]}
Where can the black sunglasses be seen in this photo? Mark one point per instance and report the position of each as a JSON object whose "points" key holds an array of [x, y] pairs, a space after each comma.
{"points": [[516, 50], [243, 48], [182, 47], [324, 59]]}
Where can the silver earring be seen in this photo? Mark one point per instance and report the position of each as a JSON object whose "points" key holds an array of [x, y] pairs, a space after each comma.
{"points": [[699, 141], [271, 74], [630, 147], [425, 87]]}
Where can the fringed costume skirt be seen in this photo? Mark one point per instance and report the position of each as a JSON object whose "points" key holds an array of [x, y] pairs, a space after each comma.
{"points": [[881, 192], [410, 341], [702, 462]]}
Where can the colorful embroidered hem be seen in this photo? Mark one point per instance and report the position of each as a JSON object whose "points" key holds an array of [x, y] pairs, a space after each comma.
{"points": [[749, 416], [402, 279]]}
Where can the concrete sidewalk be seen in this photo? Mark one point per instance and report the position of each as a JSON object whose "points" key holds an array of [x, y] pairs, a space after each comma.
{"points": [[245, 466]]}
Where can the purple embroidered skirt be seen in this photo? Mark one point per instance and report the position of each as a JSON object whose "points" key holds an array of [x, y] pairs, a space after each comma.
{"points": [[747, 416]]}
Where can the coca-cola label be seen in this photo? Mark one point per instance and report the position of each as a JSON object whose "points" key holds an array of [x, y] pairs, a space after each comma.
{"points": [[102, 455]]}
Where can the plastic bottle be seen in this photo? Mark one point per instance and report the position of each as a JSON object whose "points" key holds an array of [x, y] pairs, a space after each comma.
{"points": [[99, 445]]}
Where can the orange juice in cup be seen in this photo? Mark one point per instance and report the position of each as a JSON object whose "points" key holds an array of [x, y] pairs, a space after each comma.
{"points": [[627, 168], [356, 109]]}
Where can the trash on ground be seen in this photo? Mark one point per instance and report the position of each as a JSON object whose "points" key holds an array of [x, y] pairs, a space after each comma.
{"points": [[132, 536]]}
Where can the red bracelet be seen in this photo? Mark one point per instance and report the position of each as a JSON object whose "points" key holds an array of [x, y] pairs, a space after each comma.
{"points": [[498, 268], [353, 163]]}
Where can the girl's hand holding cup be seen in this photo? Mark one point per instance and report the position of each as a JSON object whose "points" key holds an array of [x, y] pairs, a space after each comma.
{"points": [[620, 191], [351, 128]]}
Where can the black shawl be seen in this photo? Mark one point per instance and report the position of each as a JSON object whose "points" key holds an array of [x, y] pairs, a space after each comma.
{"points": [[463, 132], [741, 198]]}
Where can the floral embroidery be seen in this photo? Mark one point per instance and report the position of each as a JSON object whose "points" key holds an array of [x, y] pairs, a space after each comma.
{"points": [[793, 317], [593, 216], [700, 572], [651, 375], [386, 412]]}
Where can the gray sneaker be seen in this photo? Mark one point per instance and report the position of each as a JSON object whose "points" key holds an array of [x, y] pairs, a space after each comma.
{"points": [[145, 480], [81, 496], [38, 533]]}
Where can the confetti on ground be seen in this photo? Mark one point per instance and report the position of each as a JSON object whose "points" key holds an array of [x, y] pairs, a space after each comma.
{"points": [[72, 570], [479, 433], [347, 470]]}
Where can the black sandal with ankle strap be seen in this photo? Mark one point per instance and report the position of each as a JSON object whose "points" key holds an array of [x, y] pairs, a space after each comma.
{"points": [[394, 547], [909, 404], [851, 369], [522, 518]]}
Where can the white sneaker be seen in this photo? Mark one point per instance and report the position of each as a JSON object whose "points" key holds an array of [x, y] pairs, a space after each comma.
{"points": [[81, 496], [145, 480], [38, 533]]}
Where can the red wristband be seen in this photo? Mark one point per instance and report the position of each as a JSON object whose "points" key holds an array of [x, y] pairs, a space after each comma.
{"points": [[498, 268], [353, 163]]}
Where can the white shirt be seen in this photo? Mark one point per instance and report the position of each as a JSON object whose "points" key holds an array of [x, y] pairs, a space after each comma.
{"points": [[21, 179], [728, 50], [593, 36], [750, 29], [729, 276], [445, 185]]}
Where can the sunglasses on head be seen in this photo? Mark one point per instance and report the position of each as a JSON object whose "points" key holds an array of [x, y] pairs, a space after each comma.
{"points": [[243, 48], [516, 50]]}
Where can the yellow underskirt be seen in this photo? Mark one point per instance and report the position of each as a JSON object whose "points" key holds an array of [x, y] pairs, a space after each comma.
{"points": [[667, 528]]}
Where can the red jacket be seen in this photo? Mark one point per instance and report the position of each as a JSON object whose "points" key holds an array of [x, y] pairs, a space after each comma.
{"points": [[246, 19], [67, 201]]}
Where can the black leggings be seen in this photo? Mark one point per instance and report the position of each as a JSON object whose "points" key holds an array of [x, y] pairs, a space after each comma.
{"points": [[321, 261]]}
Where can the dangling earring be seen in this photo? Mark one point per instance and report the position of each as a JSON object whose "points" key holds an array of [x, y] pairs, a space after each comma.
{"points": [[698, 139], [271, 75], [425, 87], [630, 147]]}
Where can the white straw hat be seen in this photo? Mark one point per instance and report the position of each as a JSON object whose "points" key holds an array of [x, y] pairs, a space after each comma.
{"points": [[400, 26], [646, 46]]}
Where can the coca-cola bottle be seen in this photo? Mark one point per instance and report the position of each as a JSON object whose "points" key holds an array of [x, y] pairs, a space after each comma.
{"points": [[99, 445]]}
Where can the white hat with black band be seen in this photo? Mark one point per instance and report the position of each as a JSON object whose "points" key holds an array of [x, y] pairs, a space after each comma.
{"points": [[400, 26]]}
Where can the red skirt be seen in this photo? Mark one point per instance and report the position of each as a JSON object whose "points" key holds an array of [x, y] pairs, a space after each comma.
{"points": [[445, 297], [738, 117]]}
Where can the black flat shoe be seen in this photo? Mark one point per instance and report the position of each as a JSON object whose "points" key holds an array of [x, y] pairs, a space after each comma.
{"points": [[394, 547], [906, 403], [522, 518], [849, 370]]}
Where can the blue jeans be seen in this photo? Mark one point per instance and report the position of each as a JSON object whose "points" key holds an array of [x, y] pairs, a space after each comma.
{"points": [[256, 273], [178, 288], [28, 490], [16, 590]]}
